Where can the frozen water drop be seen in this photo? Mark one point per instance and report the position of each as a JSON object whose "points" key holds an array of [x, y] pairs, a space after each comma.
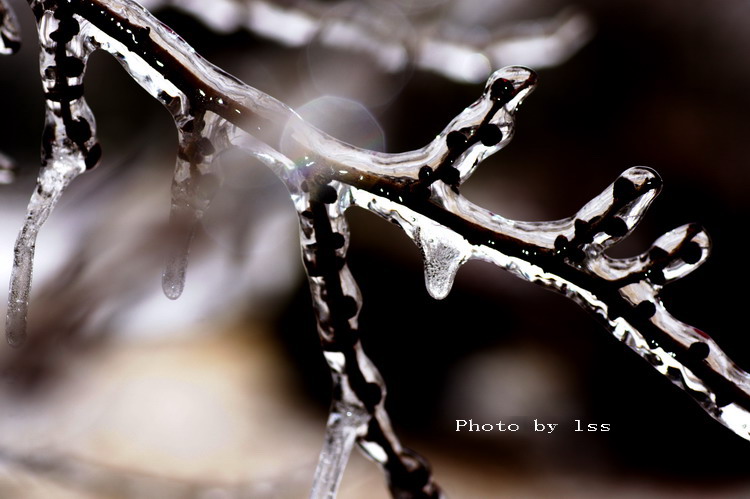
{"points": [[20, 285], [173, 280], [444, 252], [189, 201], [51, 183]]}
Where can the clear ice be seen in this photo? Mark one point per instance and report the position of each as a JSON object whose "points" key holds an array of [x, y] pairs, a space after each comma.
{"points": [[418, 190], [430, 42], [69, 148], [202, 137], [444, 252]]}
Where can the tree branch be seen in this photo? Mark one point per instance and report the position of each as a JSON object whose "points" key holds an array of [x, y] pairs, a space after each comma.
{"points": [[418, 190]]}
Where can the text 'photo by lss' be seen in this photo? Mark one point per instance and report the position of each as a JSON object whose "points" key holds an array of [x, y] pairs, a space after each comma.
{"points": [[582, 120]]}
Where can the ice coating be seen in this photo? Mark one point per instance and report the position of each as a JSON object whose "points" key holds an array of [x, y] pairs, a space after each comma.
{"points": [[51, 184], [7, 167], [418, 190], [444, 252]]}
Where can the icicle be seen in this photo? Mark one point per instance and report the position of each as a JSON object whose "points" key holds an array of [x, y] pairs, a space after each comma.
{"points": [[444, 252], [173, 279], [342, 430], [10, 42], [202, 138], [69, 148], [182, 222], [52, 182], [687, 247], [10, 33], [20, 283], [451, 50], [183, 219]]}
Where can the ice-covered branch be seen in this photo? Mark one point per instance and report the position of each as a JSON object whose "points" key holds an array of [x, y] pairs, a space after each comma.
{"points": [[418, 190], [10, 42], [10, 36], [92, 479], [357, 410]]}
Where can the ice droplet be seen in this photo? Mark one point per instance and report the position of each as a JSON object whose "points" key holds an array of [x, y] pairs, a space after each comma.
{"points": [[193, 187], [52, 182], [444, 252]]}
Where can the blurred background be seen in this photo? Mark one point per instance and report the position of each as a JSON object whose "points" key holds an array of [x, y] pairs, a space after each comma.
{"points": [[224, 393]]}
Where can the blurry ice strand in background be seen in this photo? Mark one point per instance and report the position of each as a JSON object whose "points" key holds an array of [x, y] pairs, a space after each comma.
{"points": [[69, 149], [435, 43], [6, 169]]}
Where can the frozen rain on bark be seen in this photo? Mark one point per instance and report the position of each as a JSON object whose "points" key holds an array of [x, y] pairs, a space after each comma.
{"points": [[418, 190]]}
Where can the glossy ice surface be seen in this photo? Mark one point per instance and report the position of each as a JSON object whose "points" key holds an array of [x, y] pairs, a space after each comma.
{"points": [[418, 190]]}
